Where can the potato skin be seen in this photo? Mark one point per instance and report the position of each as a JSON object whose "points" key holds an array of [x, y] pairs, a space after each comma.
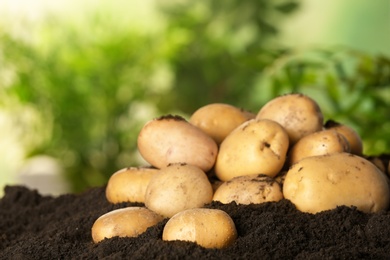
{"points": [[218, 119], [256, 146], [178, 187], [324, 182], [318, 143], [171, 139], [209, 228], [249, 189], [125, 222], [298, 114], [129, 184]]}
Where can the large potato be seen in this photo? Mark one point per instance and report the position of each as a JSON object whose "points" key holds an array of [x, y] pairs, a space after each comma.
{"points": [[129, 184], [218, 119], [318, 143], [297, 113], [249, 189], [324, 182], [209, 228], [178, 187], [125, 222], [256, 146], [171, 139]]}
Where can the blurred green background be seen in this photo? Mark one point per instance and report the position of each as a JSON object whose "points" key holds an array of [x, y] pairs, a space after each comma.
{"points": [[79, 80]]}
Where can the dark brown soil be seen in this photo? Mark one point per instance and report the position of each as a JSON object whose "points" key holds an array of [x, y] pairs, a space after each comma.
{"points": [[37, 227]]}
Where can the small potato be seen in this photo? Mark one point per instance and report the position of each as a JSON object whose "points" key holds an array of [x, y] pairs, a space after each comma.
{"points": [[129, 184], [298, 114], [349, 133], [209, 228], [318, 143], [324, 182], [171, 139], [256, 146], [218, 120], [249, 189], [125, 222], [178, 187]]}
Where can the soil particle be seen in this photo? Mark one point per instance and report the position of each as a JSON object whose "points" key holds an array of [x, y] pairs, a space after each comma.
{"points": [[41, 227]]}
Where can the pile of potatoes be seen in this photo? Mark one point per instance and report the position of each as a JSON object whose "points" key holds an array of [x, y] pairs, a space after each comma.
{"points": [[226, 154]]}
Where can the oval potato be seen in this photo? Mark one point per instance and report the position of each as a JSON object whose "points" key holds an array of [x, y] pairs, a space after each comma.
{"points": [[298, 114], [318, 143], [249, 189], [178, 187], [171, 139], [209, 228], [354, 139], [256, 146], [218, 119], [324, 182], [125, 222], [129, 184]]}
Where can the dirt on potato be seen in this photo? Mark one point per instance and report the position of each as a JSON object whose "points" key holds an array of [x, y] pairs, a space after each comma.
{"points": [[41, 227]]}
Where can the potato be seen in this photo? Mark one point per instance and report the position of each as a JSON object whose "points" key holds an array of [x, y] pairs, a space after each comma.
{"points": [[218, 120], [256, 146], [178, 187], [298, 114], [171, 139], [318, 143], [324, 182], [129, 184], [125, 222], [209, 228], [256, 189], [349, 133]]}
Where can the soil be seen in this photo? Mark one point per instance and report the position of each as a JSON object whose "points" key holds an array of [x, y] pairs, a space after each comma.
{"points": [[43, 227]]}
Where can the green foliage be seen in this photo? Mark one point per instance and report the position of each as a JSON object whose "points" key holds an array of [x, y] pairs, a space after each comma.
{"points": [[221, 47], [87, 90]]}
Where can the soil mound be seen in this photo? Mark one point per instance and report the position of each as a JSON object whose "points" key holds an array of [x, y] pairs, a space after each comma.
{"points": [[33, 226]]}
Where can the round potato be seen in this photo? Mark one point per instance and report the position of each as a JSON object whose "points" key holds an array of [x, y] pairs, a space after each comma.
{"points": [[318, 143], [218, 120], [298, 114], [178, 187], [209, 228], [125, 222], [324, 182], [129, 184], [354, 139], [256, 146], [171, 139], [249, 189]]}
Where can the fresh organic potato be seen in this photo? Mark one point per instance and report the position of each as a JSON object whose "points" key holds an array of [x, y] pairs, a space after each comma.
{"points": [[318, 143], [218, 120], [209, 228], [349, 133], [129, 184], [125, 222], [324, 182], [256, 146], [178, 187], [256, 189], [298, 114], [171, 139]]}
